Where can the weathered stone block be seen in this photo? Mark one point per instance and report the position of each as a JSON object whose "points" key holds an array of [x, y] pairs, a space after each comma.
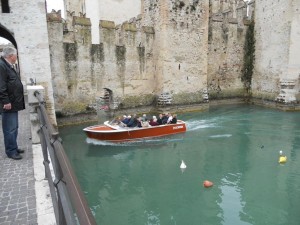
{"points": [[148, 30], [81, 21], [54, 17], [70, 50], [129, 27], [233, 20], [107, 24]]}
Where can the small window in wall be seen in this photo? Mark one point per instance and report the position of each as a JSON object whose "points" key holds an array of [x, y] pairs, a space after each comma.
{"points": [[5, 6]]}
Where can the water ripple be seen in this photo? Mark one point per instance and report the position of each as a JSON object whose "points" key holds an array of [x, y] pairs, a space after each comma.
{"points": [[221, 136], [193, 125]]}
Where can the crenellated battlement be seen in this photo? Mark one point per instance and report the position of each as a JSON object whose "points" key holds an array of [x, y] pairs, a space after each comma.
{"points": [[107, 24], [197, 43], [81, 21], [54, 16], [232, 12], [181, 14]]}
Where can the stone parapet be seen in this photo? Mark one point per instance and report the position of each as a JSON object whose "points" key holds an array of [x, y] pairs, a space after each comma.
{"points": [[54, 17], [82, 21], [107, 24], [148, 30], [129, 27]]}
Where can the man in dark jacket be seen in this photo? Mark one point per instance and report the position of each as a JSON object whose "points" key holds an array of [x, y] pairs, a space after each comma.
{"points": [[11, 101]]}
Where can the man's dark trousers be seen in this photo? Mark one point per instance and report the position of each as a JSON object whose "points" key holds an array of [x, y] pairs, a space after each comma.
{"points": [[10, 132]]}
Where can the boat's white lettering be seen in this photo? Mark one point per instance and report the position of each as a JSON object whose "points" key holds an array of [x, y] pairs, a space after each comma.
{"points": [[178, 127]]}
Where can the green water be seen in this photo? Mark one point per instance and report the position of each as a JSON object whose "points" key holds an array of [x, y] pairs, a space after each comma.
{"points": [[235, 147]]}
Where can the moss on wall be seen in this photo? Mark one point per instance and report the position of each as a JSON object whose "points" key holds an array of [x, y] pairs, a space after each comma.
{"points": [[70, 50], [187, 98], [120, 54], [97, 53], [83, 21], [148, 30], [129, 27], [135, 101], [249, 54], [73, 108], [141, 53], [107, 24], [264, 95], [225, 94]]}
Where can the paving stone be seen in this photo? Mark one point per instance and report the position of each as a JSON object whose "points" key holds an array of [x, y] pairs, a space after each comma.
{"points": [[6, 223], [3, 219], [17, 190]]}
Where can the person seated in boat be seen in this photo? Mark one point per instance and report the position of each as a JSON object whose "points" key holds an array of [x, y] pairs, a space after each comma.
{"points": [[133, 121], [145, 123], [159, 120], [130, 121], [174, 119], [139, 122], [144, 118], [164, 118], [123, 121], [126, 119], [170, 117], [153, 121]]}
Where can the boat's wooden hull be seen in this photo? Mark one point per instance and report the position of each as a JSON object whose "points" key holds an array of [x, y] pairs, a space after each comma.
{"points": [[116, 134]]}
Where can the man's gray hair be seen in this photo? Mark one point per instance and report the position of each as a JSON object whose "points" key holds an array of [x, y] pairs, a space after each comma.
{"points": [[8, 51]]}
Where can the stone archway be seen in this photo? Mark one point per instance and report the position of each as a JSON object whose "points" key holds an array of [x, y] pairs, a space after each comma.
{"points": [[5, 33]]}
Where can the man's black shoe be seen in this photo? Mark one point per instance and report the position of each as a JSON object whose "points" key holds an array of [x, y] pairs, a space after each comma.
{"points": [[15, 156], [20, 151]]}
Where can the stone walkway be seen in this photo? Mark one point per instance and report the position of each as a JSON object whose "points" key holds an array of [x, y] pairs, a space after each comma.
{"points": [[19, 195], [17, 182]]}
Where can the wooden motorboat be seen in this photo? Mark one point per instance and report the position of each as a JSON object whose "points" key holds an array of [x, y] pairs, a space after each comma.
{"points": [[116, 133]]}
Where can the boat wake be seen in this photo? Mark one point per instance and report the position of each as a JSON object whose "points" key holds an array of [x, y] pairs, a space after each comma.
{"points": [[152, 141], [193, 125], [221, 136]]}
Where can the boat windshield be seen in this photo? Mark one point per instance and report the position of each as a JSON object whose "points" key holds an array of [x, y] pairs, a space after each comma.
{"points": [[115, 121]]}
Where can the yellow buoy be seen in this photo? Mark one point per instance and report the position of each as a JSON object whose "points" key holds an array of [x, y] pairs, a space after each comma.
{"points": [[282, 159]]}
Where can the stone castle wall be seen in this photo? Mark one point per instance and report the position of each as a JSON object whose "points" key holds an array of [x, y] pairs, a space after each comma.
{"points": [[181, 30], [117, 11], [277, 66], [227, 31], [174, 53], [135, 61], [121, 63]]}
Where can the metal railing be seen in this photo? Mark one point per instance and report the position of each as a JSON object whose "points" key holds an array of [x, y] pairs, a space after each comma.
{"points": [[69, 203]]}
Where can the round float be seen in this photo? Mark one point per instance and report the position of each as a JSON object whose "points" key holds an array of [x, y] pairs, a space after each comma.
{"points": [[282, 159], [207, 183]]}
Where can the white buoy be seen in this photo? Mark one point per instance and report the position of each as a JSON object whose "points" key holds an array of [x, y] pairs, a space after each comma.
{"points": [[280, 152], [182, 166]]}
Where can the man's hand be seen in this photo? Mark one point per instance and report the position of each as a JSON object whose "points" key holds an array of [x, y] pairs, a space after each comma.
{"points": [[7, 106]]}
